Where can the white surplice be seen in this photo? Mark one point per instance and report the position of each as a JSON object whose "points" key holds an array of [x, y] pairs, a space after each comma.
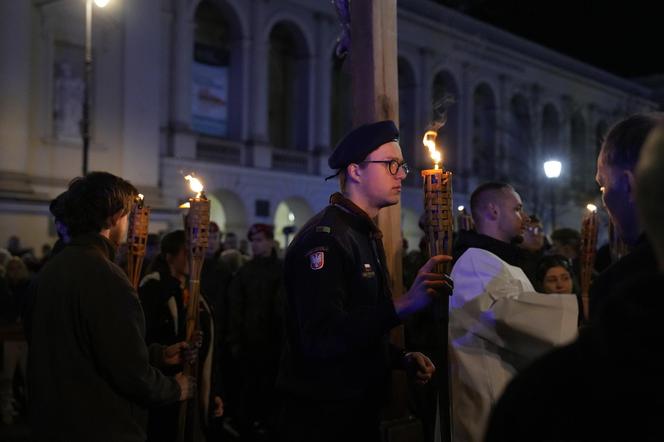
{"points": [[498, 325]]}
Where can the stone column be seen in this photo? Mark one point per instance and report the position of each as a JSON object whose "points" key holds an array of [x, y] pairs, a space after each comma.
{"points": [[15, 75], [322, 88], [565, 138], [503, 124], [465, 137], [258, 133], [184, 140], [142, 51]]}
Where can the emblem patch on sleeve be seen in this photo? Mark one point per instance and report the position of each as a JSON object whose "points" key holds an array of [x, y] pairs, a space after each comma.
{"points": [[317, 260]]}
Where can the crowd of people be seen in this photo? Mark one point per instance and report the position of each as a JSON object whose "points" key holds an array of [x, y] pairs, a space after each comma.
{"points": [[293, 345]]}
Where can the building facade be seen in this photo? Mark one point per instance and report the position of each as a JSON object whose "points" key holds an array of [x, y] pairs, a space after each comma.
{"points": [[249, 96]]}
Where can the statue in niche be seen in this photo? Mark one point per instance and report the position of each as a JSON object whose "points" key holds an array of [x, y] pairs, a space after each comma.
{"points": [[67, 102]]}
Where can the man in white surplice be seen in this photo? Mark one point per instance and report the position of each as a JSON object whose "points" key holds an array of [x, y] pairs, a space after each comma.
{"points": [[498, 323]]}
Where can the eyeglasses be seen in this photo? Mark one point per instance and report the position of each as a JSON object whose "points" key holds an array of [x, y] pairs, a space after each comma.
{"points": [[392, 165]]}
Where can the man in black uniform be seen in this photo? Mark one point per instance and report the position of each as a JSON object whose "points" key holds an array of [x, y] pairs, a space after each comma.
{"points": [[337, 359]]}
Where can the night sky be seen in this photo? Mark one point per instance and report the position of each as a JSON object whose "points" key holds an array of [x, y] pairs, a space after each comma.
{"points": [[609, 35]]}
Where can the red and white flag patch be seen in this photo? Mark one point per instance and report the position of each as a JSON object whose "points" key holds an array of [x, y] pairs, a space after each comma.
{"points": [[317, 260]]}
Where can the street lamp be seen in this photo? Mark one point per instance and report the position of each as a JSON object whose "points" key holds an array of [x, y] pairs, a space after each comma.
{"points": [[85, 122], [552, 169]]}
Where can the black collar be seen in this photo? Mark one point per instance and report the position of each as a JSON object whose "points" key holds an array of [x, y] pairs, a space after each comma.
{"points": [[358, 217], [505, 251]]}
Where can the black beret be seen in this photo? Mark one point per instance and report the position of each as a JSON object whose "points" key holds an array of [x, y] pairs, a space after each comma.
{"points": [[361, 141]]}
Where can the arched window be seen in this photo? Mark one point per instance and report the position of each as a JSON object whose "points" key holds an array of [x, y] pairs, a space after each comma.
{"points": [[520, 142], [211, 77], [406, 109], [288, 88], [228, 210], [444, 105], [341, 112], [290, 215], [484, 132]]}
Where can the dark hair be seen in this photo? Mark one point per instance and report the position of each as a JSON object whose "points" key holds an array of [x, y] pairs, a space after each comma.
{"points": [[548, 262], [57, 206], [170, 244], [91, 200], [624, 139], [477, 197], [567, 237]]}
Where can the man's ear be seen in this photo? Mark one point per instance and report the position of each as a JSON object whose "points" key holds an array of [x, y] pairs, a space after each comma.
{"points": [[492, 211], [115, 218], [354, 172]]}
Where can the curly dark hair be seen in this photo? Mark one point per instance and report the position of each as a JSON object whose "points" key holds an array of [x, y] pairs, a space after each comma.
{"points": [[93, 199]]}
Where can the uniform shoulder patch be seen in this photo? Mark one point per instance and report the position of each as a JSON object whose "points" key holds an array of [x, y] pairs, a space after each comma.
{"points": [[317, 260], [323, 229], [316, 257]]}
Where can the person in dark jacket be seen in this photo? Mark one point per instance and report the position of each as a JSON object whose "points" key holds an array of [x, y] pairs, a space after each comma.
{"points": [[607, 385], [162, 293], [336, 365], [615, 176], [90, 373], [162, 299], [255, 331]]}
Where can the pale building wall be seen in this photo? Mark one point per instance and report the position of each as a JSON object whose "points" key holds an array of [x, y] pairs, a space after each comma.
{"points": [[142, 101]]}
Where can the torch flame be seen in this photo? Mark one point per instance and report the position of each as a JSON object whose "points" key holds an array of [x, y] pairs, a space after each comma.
{"points": [[591, 207], [429, 141], [195, 185], [186, 205]]}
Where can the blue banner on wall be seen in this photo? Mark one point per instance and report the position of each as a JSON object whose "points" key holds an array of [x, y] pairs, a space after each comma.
{"points": [[209, 99]]}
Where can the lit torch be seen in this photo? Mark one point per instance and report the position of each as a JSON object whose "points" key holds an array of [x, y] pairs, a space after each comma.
{"points": [[439, 220], [196, 227], [137, 237], [588, 252], [438, 224]]}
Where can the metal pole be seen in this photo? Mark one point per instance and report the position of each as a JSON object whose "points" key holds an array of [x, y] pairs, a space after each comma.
{"points": [[85, 122], [553, 205]]}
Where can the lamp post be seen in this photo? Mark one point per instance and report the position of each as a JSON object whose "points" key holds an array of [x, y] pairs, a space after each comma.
{"points": [[85, 122], [552, 169]]}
